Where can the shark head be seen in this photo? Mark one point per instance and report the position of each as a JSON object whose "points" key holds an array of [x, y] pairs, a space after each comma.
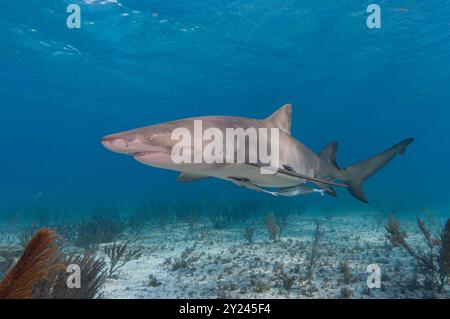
{"points": [[149, 145]]}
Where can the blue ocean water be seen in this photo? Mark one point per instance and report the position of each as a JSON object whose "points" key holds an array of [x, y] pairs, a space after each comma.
{"points": [[136, 63]]}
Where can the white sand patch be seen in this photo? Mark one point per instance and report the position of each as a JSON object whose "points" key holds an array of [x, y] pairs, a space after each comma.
{"points": [[222, 264]]}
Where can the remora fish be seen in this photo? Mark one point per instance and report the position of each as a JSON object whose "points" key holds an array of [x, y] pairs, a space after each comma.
{"points": [[298, 165]]}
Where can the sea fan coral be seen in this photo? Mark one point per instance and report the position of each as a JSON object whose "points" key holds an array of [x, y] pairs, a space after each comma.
{"points": [[119, 255], [271, 226], [37, 261], [92, 276], [433, 264]]}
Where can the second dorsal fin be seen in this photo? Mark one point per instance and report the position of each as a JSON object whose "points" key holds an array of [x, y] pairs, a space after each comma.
{"points": [[329, 153]]}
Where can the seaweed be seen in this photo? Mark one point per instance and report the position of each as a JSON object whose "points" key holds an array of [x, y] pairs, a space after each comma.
{"points": [[185, 211], [186, 259], [432, 264], [139, 219], [444, 251], [163, 215], [119, 254], [248, 234], [271, 226], [38, 260], [282, 221], [41, 273], [346, 293], [98, 229], [192, 218], [153, 281], [219, 215], [287, 280], [346, 276], [259, 285], [92, 278], [313, 256]]}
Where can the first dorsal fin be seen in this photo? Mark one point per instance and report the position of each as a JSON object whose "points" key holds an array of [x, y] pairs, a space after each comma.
{"points": [[329, 153], [281, 118]]}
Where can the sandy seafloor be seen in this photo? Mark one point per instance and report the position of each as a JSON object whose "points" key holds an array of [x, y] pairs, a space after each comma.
{"points": [[220, 263], [224, 265]]}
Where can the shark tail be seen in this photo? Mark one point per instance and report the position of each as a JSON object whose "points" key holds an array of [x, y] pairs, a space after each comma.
{"points": [[356, 174]]}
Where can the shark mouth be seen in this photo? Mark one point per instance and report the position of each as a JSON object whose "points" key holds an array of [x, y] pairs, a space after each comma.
{"points": [[140, 154], [152, 157]]}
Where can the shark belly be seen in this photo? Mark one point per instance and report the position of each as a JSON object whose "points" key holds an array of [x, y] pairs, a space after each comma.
{"points": [[254, 175]]}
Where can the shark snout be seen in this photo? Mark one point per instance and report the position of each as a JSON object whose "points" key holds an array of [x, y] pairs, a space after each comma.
{"points": [[116, 144], [131, 145]]}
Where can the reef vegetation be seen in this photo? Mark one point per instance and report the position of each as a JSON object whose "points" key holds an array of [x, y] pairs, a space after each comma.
{"points": [[207, 249]]}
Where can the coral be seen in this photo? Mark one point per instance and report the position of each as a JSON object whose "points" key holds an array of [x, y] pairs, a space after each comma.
{"points": [[433, 264], [139, 219], [163, 215], [248, 234], [346, 276], [286, 280], [218, 214], [282, 221], [346, 293], [186, 259], [313, 256], [259, 285], [444, 252], [92, 278], [153, 282], [41, 271], [193, 229], [98, 229], [271, 226], [219, 220], [37, 261], [119, 255]]}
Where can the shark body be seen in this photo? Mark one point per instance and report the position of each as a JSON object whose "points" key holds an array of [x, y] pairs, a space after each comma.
{"points": [[300, 170]]}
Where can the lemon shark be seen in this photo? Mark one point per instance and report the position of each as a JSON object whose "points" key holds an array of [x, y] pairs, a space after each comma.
{"points": [[298, 169]]}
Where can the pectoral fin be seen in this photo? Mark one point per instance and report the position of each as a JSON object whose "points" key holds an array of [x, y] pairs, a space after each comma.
{"points": [[187, 177]]}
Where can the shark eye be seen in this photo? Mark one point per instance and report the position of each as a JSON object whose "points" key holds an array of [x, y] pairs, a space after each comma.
{"points": [[150, 137]]}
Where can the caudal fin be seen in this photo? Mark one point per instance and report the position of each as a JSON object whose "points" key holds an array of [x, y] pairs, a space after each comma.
{"points": [[356, 174]]}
